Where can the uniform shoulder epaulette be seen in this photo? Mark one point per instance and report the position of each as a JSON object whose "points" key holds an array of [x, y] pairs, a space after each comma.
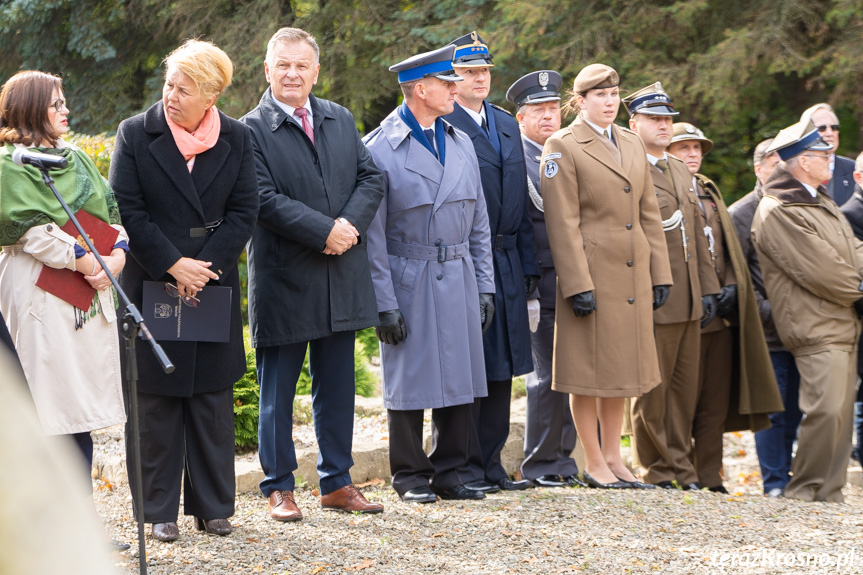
{"points": [[504, 110], [706, 182], [625, 129], [676, 159]]}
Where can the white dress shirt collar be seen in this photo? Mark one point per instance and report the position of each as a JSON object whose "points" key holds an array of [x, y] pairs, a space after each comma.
{"points": [[600, 130]]}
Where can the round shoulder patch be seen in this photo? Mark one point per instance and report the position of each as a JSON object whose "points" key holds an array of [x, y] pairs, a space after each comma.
{"points": [[550, 169]]}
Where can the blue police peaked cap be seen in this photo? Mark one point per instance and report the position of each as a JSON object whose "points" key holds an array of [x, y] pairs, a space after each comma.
{"points": [[433, 64]]}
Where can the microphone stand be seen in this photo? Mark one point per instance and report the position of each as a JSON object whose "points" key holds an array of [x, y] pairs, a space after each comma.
{"points": [[130, 324]]}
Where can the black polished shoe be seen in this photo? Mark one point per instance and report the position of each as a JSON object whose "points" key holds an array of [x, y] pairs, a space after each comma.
{"points": [[419, 495], [666, 485], [638, 484], [694, 486], [166, 531], [219, 527], [115, 545], [718, 489], [482, 486], [591, 482], [459, 492], [573, 480], [508, 484], [549, 481]]}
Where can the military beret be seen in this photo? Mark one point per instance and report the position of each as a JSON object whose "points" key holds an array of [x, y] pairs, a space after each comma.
{"points": [[433, 64], [471, 51], [796, 139], [535, 88], [595, 76], [682, 131], [650, 101]]}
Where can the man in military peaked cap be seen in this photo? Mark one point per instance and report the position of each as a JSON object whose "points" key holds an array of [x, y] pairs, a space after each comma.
{"points": [[813, 266], [662, 418], [430, 254], [496, 139], [549, 435]]}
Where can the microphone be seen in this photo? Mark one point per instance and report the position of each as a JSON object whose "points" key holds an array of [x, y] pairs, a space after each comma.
{"points": [[23, 156]]}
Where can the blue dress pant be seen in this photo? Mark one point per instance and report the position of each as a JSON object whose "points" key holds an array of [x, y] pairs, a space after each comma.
{"points": [[774, 445], [331, 365]]}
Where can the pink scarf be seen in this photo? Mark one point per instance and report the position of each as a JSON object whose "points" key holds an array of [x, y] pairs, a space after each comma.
{"points": [[201, 140]]}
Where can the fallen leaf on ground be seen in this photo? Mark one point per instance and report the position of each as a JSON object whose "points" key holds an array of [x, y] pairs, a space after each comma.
{"points": [[364, 565], [376, 482]]}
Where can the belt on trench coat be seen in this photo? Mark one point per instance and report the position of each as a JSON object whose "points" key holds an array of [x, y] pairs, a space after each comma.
{"points": [[438, 252]]}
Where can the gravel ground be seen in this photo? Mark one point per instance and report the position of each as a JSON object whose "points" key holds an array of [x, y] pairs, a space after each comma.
{"points": [[572, 530]]}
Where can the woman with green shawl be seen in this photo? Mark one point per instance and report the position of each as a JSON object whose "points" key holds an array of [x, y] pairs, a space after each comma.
{"points": [[70, 356]]}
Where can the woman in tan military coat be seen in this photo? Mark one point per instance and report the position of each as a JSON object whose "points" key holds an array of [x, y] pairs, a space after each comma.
{"points": [[609, 249]]}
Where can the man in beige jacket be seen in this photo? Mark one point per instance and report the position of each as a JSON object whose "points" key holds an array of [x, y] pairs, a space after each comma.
{"points": [[662, 419], [813, 266]]}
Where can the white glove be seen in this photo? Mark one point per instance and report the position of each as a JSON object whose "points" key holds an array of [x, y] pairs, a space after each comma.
{"points": [[533, 314]]}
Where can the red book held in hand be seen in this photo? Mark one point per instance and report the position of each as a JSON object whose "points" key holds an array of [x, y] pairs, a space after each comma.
{"points": [[71, 286]]}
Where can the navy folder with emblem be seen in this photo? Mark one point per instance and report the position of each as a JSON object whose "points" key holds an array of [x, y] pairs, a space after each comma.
{"points": [[170, 319]]}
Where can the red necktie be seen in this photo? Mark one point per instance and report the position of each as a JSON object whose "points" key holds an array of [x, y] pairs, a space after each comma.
{"points": [[303, 115]]}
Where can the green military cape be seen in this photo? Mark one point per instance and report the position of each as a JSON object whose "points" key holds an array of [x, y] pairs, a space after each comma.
{"points": [[754, 392]]}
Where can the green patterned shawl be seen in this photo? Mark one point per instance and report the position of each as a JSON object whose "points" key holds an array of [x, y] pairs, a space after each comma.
{"points": [[25, 200]]}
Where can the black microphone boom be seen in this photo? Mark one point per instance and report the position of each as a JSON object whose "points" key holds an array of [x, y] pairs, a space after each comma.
{"points": [[23, 156]]}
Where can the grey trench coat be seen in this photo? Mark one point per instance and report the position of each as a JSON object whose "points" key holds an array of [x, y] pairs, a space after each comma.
{"points": [[430, 252]]}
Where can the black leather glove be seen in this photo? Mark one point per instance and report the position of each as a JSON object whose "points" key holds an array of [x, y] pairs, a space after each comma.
{"points": [[530, 283], [727, 300], [486, 310], [583, 304], [392, 329], [858, 306], [709, 304], [660, 296]]}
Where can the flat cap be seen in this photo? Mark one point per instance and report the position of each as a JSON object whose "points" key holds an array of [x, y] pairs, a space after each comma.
{"points": [[796, 139], [595, 76], [682, 131], [434, 64], [471, 52], [650, 101], [535, 88]]}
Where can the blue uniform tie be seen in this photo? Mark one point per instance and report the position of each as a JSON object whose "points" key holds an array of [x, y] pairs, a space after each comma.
{"points": [[430, 135]]}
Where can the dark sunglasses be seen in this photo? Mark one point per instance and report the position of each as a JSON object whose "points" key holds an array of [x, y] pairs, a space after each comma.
{"points": [[822, 129]]}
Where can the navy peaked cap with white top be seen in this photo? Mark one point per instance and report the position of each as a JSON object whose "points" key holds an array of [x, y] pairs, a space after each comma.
{"points": [[650, 101], [535, 88], [433, 64], [471, 51], [796, 139]]}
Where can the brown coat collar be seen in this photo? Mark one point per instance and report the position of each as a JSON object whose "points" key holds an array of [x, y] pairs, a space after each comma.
{"points": [[788, 189]]}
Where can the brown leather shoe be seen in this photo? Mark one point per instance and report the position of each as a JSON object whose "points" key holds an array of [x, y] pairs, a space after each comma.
{"points": [[283, 507], [166, 531], [349, 499]]}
